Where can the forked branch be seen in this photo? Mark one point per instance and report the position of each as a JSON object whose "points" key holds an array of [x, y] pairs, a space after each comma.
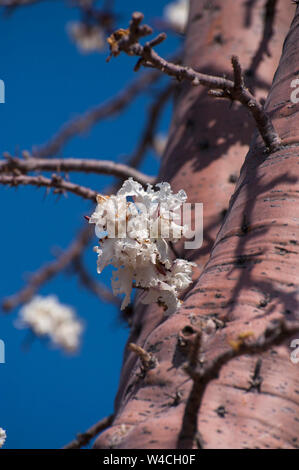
{"points": [[127, 40]]}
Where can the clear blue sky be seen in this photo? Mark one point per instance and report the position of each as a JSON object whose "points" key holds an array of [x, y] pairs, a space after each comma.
{"points": [[47, 397]]}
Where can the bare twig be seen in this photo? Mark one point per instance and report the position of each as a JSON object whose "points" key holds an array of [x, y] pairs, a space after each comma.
{"points": [[275, 334], [105, 167], [84, 438], [11, 4], [128, 42], [48, 271], [148, 361], [102, 111], [238, 77], [151, 123], [95, 287], [60, 185]]}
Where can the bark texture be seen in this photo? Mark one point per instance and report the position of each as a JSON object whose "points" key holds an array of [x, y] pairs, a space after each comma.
{"points": [[252, 274]]}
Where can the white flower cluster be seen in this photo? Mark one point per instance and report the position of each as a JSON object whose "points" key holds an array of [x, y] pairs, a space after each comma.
{"points": [[2, 437], [88, 38], [176, 13], [133, 238], [47, 316]]}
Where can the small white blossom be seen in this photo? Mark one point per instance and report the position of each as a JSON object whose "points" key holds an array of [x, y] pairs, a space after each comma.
{"points": [[47, 316], [88, 38], [2, 437], [133, 238], [176, 13]]}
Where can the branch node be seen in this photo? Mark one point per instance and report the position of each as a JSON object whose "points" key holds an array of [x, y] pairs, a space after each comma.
{"points": [[148, 361]]}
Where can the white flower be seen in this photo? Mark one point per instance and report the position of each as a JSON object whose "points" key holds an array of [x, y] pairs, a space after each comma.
{"points": [[134, 227], [176, 13], [47, 316], [2, 437], [88, 38]]}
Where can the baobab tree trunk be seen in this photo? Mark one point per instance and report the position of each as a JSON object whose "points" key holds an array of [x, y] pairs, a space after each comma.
{"points": [[249, 275]]}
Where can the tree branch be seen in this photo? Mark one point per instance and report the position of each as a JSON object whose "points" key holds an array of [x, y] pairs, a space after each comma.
{"points": [[84, 438], [105, 167], [70, 255], [95, 287], [11, 4], [150, 127], [60, 185], [128, 42], [48, 271], [148, 361], [102, 111]]}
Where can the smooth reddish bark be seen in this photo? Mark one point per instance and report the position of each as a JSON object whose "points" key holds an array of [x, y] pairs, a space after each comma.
{"points": [[252, 275]]}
